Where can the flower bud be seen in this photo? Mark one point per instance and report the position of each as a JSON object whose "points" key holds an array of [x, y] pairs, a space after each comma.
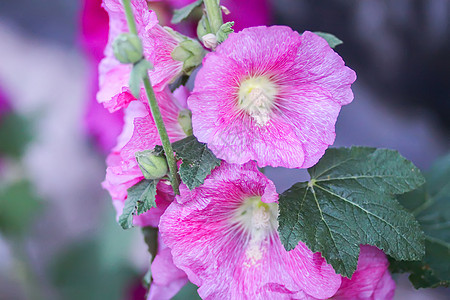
{"points": [[127, 48], [210, 41], [191, 53], [152, 166]]}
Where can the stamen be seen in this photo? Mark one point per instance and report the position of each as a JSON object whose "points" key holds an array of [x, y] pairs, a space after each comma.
{"points": [[259, 221], [256, 97]]}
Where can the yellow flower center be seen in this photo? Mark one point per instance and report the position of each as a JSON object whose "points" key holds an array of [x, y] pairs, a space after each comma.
{"points": [[259, 221], [256, 97]]}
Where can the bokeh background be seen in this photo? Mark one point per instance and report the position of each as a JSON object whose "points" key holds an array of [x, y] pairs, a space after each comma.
{"points": [[58, 236]]}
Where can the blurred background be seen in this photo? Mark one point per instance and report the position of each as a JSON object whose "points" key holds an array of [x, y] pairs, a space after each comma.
{"points": [[58, 235]]}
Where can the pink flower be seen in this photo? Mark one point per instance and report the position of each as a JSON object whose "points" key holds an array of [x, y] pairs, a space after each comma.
{"points": [[167, 278], [158, 45], [271, 95], [140, 133], [371, 281], [223, 234]]}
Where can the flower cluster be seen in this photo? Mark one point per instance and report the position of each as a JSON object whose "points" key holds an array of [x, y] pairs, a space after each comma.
{"points": [[267, 96]]}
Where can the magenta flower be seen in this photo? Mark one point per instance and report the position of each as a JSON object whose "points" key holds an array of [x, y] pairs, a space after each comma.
{"points": [[140, 133], [99, 123], [224, 236], [158, 45], [371, 281], [271, 95], [4, 103]]}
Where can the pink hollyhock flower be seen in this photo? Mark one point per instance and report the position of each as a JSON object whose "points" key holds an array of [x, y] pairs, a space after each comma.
{"points": [[167, 278], [223, 234], [140, 133], [272, 95], [371, 281], [158, 45]]}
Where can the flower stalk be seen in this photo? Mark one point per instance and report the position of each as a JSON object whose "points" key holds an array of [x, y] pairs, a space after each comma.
{"points": [[214, 15], [156, 113]]}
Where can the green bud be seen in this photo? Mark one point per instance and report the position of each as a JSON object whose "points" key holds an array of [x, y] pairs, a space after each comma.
{"points": [[191, 53], [184, 119], [152, 166], [127, 48]]}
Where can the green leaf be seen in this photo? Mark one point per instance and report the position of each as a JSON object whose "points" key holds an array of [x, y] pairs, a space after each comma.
{"points": [[224, 31], [18, 207], [431, 207], [350, 201], [331, 39], [197, 161], [189, 291], [184, 12], [141, 197], [138, 73], [15, 133]]}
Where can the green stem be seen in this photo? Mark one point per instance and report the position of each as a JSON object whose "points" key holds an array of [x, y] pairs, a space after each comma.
{"points": [[156, 113], [214, 14], [130, 17]]}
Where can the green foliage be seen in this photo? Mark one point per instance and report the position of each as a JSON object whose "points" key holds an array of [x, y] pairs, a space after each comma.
{"points": [[18, 207], [331, 39], [138, 73], [431, 207], [224, 31], [197, 161], [15, 134], [184, 12], [141, 197], [189, 291], [350, 201]]}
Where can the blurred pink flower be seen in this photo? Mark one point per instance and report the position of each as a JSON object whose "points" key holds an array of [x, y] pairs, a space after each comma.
{"points": [[223, 234], [4, 103], [371, 281], [103, 126], [272, 95], [140, 133]]}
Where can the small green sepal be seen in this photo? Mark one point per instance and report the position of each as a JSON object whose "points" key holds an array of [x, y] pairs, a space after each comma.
{"points": [[224, 31], [138, 73]]}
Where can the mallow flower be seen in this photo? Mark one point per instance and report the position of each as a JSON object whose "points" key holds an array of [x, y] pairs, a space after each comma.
{"points": [[139, 134], [158, 44], [371, 281], [223, 235], [272, 95]]}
